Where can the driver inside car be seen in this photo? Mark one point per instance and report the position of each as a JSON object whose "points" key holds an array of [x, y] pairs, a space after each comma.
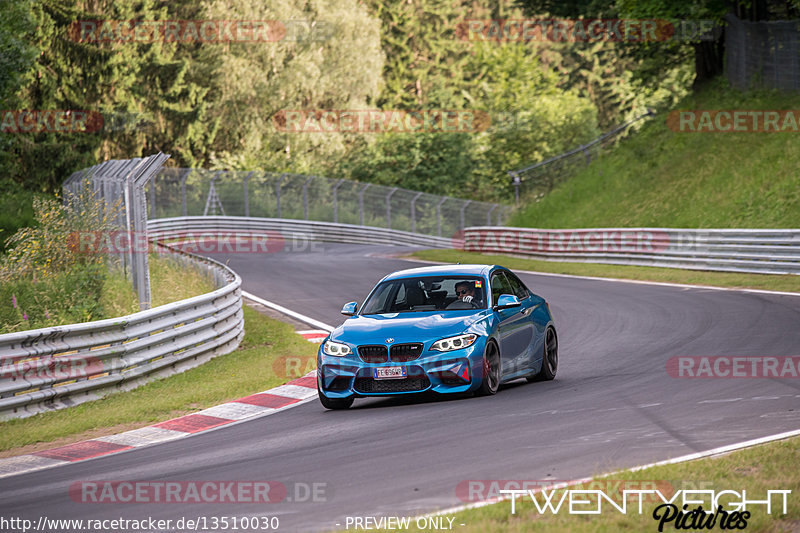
{"points": [[465, 294]]}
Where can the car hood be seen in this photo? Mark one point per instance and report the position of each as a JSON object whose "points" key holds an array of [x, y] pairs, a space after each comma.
{"points": [[409, 327]]}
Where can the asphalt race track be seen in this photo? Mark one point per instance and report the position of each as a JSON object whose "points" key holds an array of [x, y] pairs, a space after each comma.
{"points": [[612, 406]]}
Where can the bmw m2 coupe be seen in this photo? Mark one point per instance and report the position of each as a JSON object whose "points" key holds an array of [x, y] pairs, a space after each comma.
{"points": [[446, 329]]}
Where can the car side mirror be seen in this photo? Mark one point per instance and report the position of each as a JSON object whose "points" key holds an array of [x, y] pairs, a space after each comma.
{"points": [[506, 301], [350, 308]]}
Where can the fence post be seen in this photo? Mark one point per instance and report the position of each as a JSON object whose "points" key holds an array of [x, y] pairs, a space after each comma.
{"points": [[389, 207], [183, 190], [361, 202], [247, 194], [414, 212], [463, 207], [278, 192], [336, 201], [305, 196], [439, 215]]}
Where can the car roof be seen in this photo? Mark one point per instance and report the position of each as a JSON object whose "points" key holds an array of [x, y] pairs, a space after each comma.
{"points": [[458, 270]]}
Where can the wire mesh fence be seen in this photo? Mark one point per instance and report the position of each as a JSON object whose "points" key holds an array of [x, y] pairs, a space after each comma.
{"points": [[763, 54], [120, 186], [540, 178], [175, 192]]}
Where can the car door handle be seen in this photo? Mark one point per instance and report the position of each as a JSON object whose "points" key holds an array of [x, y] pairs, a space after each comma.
{"points": [[526, 311]]}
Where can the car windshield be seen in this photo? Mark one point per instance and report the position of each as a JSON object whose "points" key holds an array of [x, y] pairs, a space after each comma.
{"points": [[429, 293]]}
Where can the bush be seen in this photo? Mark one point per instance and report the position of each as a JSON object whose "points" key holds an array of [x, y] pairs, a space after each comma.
{"points": [[44, 281]]}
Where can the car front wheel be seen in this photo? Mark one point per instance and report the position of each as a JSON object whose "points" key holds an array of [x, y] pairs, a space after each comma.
{"points": [[491, 371]]}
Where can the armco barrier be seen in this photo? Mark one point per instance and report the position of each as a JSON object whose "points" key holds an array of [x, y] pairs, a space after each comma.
{"points": [[737, 250], [171, 228], [54, 367]]}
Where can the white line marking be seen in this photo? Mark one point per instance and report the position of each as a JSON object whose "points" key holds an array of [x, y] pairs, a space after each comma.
{"points": [[294, 314]]}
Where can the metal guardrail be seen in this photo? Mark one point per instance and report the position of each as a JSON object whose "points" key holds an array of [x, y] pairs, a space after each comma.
{"points": [[761, 251], [306, 230], [54, 367]]}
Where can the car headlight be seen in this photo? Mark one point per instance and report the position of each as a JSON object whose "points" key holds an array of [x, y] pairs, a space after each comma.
{"points": [[454, 343], [336, 348]]}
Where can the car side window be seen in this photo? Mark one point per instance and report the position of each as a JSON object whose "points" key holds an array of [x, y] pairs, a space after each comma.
{"points": [[520, 290], [499, 286]]}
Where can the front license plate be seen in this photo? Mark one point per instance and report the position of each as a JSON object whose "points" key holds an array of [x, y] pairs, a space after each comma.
{"points": [[389, 372]]}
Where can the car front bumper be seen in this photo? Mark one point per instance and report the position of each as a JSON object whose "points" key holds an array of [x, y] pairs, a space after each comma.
{"points": [[452, 372]]}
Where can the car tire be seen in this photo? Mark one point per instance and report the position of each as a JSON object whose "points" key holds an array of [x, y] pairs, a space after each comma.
{"points": [[491, 371], [549, 358], [335, 403]]}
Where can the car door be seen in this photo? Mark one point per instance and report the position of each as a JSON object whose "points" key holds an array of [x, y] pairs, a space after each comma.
{"points": [[515, 330], [529, 305]]}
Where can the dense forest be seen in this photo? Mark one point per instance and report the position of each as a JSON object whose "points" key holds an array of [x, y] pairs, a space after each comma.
{"points": [[96, 85]]}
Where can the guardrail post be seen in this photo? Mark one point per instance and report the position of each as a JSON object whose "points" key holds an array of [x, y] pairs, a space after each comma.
{"points": [[414, 212], [439, 215], [389, 207], [278, 193], [305, 197], [463, 207], [361, 202], [246, 194], [336, 201]]}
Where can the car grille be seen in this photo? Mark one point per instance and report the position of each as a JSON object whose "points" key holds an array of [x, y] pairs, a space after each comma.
{"points": [[405, 352], [373, 353], [369, 385]]}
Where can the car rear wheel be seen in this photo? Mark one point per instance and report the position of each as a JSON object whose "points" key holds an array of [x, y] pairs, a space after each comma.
{"points": [[549, 359], [335, 403], [491, 371]]}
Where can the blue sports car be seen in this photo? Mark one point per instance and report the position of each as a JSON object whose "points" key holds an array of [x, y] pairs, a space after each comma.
{"points": [[446, 329]]}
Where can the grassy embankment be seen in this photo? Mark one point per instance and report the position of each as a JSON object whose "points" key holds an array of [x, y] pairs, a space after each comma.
{"points": [[662, 178]]}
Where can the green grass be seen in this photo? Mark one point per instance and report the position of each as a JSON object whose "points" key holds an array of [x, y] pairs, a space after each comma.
{"points": [[770, 466], [772, 282], [255, 366], [661, 178]]}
